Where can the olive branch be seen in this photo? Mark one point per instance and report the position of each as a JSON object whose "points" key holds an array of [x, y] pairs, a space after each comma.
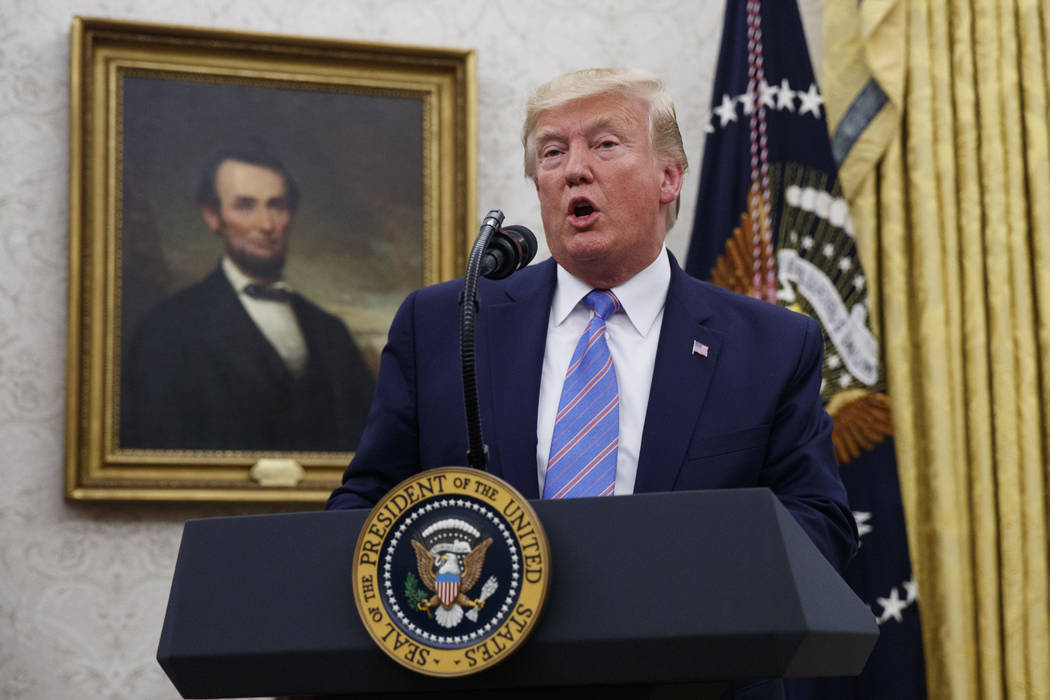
{"points": [[412, 591]]}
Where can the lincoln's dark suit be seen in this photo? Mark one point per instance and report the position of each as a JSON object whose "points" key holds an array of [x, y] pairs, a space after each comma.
{"points": [[199, 374], [748, 414]]}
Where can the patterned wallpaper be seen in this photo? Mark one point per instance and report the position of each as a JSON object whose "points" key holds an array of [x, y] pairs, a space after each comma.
{"points": [[83, 586]]}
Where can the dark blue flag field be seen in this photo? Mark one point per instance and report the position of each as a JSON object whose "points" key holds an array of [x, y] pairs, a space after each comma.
{"points": [[771, 222]]}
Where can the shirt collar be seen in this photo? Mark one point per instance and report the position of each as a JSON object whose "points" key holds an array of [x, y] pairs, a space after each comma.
{"points": [[642, 296], [239, 280]]}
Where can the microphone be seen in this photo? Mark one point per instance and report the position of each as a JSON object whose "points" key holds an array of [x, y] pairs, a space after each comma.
{"points": [[497, 252], [510, 249]]}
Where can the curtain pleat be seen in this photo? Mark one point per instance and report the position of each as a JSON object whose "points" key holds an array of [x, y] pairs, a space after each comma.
{"points": [[953, 212]]}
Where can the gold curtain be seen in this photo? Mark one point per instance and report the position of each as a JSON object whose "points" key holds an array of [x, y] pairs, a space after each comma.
{"points": [[948, 175]]}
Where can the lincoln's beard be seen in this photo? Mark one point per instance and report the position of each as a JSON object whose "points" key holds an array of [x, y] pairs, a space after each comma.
{"points": [[259, 268]]}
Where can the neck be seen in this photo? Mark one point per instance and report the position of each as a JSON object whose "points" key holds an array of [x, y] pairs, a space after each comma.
{"points": [[603, 277]]}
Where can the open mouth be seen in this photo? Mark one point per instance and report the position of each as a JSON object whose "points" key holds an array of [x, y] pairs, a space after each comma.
{"points": [[581, 208]]}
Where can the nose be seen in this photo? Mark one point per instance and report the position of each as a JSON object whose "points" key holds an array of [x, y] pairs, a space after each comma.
{"points": [[577, 165], [264, 219]]}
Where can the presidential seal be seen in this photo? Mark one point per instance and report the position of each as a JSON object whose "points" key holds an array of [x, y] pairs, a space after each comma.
{"points": [[450, 571]]}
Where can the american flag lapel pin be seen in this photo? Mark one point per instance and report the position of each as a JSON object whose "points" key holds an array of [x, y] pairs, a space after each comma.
{"points": [[699, 348]]}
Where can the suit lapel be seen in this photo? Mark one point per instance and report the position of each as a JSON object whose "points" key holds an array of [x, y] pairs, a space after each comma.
{"points": [[681, 378], [515, 329], [235, 334]]}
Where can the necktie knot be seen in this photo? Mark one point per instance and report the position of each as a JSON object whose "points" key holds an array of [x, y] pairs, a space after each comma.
{"points": [[603, 302]]}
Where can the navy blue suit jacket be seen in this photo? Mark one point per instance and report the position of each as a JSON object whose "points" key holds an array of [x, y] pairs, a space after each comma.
{"points": [[748, 414]]}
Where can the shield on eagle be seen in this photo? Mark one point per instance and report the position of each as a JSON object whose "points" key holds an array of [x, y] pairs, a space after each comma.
{"points": [[447, 587]]}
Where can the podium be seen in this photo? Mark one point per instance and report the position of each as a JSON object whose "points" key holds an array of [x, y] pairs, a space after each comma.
{"points": [[698, 587]]}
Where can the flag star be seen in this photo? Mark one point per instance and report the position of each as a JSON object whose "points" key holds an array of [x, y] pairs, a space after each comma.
{"points": [[786, 96], [793, 237], [892, 607], [844, 379], [767, 94], [858, 281], [863, 522], [845, 264], [709, 128], [810, 101], [828, 250], [727, 110], [834, 361], [911, 591], [748, 101], [807, 242]]}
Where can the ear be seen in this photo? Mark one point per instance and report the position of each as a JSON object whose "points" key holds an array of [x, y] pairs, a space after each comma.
{"points": [[212, 218], [671, 185]]}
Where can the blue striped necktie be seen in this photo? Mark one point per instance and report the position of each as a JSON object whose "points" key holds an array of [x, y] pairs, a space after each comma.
{"points": [[582, 460]]}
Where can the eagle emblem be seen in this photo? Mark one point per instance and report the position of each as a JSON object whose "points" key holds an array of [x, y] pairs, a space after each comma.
{"points": [[450, 565], [442, 581], [861, 416]]}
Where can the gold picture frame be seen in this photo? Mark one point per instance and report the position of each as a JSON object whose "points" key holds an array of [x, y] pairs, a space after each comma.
{"points": [[382, 141]]}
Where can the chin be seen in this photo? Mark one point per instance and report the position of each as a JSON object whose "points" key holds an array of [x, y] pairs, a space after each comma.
{"points": [[588, 245]]}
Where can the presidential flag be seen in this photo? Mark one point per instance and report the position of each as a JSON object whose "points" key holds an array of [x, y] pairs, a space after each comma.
{"points": [[771, 222]]}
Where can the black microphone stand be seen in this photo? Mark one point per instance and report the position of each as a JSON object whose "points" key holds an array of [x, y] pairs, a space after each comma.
{"points": [[477, 450]]}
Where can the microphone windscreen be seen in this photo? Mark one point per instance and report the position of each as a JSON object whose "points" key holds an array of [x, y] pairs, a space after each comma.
{"points": [[526, 240]]}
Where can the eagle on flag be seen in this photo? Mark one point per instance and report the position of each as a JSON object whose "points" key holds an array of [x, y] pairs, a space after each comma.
{"points": [[442, 574]]}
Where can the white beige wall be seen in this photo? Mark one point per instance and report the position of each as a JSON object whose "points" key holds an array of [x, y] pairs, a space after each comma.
{"points": [[83, 586]]}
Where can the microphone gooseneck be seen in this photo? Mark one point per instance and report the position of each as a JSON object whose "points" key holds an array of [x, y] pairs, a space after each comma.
{"points": [[498, 252]]}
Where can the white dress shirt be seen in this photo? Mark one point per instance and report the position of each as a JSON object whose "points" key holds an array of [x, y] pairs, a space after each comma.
{"points": [[632, 335], [275, 319]]}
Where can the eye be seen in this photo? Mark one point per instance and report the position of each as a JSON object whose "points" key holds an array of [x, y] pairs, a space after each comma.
{"points": [[551, 152]]}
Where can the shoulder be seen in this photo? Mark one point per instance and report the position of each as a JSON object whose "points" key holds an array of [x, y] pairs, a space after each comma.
{"points": [[190, 304], [536, 277], [305, 307], [737, 312]]}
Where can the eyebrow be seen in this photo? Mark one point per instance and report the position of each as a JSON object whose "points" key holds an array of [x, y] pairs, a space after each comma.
{"points": [[276, 200], [599, 123]]}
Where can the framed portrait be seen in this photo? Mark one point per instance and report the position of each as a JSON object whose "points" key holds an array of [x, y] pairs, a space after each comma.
{"points": [[247, 211]]}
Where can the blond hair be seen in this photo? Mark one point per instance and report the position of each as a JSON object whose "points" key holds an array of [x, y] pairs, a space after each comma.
{"points": [[665, 139]]}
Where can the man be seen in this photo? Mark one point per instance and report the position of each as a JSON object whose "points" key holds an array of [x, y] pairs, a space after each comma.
{"points": [[239, 361], [713, 389]]}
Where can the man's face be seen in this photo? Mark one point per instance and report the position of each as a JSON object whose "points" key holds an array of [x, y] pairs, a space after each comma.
{"points": [[602, 191], [253, 217]]}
